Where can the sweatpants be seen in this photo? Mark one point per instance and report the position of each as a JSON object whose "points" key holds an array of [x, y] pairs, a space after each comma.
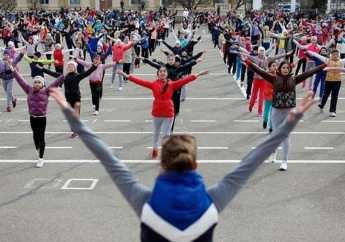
{"points": [[257, 90], [310, 65], [278, 116], [268, 112], [160, 124], [38, 127]]}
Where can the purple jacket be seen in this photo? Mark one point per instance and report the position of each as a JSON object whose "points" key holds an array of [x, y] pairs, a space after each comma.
{"points": [[4, 67], [37, 101]]}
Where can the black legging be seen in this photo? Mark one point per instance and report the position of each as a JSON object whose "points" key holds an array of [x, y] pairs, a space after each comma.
{"points": [[126, 69], [96, 92], [59, 69], [301, 62], [38, 127]]}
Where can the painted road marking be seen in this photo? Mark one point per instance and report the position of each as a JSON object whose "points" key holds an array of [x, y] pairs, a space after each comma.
{"points": [[319, 148], [49, 184], [67, 183], [8, 147], [190, 132], [116, 147], [59, 147], [157, 161], [203, 121], [116, 121], [245, 121]]}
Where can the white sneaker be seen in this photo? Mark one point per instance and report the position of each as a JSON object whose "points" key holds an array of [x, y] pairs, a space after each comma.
{"points": [[39, 163], [112, 85], [273, 157], [95, 112], [283, 165], [120, 88], [333, 114]]}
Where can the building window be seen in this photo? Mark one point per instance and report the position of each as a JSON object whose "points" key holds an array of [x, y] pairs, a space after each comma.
{"points": [[44, 2], [74, 2], [135, 2], [166, 3]]}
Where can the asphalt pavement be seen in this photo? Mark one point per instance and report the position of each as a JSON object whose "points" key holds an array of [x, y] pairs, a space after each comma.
{"points": [[72, 198]]}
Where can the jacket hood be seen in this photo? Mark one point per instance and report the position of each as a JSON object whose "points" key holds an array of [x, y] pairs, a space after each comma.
{"points": [[180, 198]]}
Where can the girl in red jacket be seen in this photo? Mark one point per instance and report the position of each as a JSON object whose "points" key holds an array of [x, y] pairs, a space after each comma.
{"points": [[268, 95], [163, 108]]}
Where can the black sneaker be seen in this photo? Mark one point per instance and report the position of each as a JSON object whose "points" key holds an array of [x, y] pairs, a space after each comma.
{"points": [[264, 124], [270, 130], [320, 108]]}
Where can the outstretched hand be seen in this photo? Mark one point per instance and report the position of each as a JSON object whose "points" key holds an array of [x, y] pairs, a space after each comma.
{"points": [[205, 72], [305, 104]]}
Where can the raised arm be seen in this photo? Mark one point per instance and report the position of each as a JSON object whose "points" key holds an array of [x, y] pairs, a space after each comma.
{"points": [[320, 57], [132, 190], [265, 75], [227, 188], [302, 47], [168, 46], [22, 83], [301, 77], [151, 63]]}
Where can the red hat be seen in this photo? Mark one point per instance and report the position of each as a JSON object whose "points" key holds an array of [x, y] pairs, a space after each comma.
{"points": [[248, 38], [30, 37]]}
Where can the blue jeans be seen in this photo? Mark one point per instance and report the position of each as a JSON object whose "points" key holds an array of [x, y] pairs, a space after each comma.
{"points": [[238, 67], [8, 87], [320, 77], [117, 67]]}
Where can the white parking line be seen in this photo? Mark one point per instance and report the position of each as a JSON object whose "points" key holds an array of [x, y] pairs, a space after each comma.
{"points": [[205, 133], [203, 121], [157, 161], [333, 121], [8, 147], [59, 147], [319, 148], [246, 121], [116, 121]]}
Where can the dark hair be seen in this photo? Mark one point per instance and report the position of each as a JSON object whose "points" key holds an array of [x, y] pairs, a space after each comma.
{"points": [[166, 85], [178, 153], [335, 50], [170, 55], [95, 56], [256, 48], [270, 63], [281, 65]]}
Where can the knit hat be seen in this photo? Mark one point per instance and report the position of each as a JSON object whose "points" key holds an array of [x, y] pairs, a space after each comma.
{"points": [[72, 63], [38, 54], [177, 58], [177, 42], [248, 38], [40, 79], [58, 46], [10, 43], [7, 52], [30, 37]]}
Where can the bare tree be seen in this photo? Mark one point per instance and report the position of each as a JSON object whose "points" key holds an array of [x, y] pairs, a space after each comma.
{"points": [[8, 5], [238, 3], [191, 4], [34, 3]]}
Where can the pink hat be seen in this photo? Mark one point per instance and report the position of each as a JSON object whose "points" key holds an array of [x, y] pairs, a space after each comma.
{"points": [[72, 63]]}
